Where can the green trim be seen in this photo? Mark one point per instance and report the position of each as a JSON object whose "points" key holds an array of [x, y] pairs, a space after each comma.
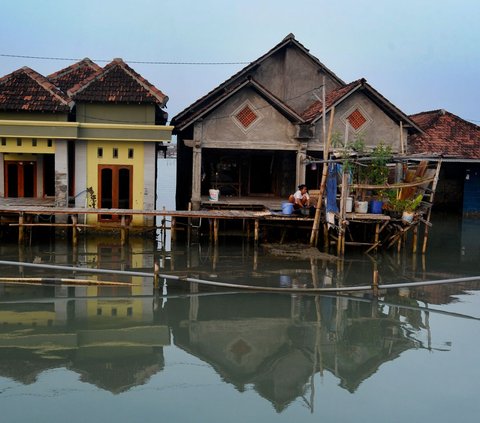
{"points": [[84, 131]]}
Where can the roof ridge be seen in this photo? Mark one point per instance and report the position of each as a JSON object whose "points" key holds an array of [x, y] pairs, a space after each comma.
{"points": [[114, 64], [316, 108], [144, 82], [290, 38], [44, 83], [85, 61]]}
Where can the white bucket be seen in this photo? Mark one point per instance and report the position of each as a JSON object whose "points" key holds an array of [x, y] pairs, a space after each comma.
{"points": [[407, 217], [213, 194], [361, 206], [349, 205]]}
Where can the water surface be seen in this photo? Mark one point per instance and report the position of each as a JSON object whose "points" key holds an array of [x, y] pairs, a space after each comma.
{"points": [[141, 353]]}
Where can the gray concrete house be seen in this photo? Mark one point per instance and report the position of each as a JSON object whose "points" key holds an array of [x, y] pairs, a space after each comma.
{"points": [[254, 134]]}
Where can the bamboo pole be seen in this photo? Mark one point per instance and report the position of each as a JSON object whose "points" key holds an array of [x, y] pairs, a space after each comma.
{"points": [[265, 288], [432, 195], [60, 281], [74, 230], [326, 150], [21, 229]]}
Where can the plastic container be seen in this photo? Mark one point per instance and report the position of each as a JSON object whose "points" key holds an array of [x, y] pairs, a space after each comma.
{"points": [[213, 194], [287, 208], [361, 206], [349, 205], [407, 216], [376, 206]]}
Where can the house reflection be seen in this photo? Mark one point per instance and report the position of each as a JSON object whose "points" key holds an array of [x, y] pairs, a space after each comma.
{"points": [[277, 344], [274, 344], [114, 351]]}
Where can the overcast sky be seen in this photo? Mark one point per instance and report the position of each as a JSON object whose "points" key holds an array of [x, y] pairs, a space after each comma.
{"points": [[420, 54]]}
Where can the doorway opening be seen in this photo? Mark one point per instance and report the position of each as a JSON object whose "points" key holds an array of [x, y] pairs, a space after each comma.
{"points": [[115, 189], [20, 179]]}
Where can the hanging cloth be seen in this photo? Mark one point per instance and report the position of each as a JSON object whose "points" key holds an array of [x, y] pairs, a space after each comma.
{"points": [[332, 188]]}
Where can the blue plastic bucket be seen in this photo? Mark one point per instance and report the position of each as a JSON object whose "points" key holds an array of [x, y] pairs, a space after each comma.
{"points": [[376, 206], [287, 208]]}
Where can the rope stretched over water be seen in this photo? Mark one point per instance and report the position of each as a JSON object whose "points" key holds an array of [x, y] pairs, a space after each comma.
{"points": [[240, 286]]}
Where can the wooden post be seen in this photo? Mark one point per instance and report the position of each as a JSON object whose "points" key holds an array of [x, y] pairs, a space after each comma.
{"points": [[323, 183], [74, 230], [215, 231], [415, 239], [375, 283], [123, 235], [173, 229], [429, 213], [21, 228], [342, 222], [257, 231], [377, 235]]}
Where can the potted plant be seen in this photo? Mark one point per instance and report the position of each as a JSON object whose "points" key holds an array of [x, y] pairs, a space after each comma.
{"points": [[376, 173], [410, 207]]}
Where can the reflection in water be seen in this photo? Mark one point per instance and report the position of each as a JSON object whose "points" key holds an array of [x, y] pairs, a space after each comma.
{"points": [[273, 343], [255, 351]]}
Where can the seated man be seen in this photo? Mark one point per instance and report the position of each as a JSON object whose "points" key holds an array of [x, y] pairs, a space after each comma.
{"points": [[301, 198]]}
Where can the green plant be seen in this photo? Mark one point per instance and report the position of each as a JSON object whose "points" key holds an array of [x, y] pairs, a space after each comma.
{"points": [[377, 170], [399, 205], [346, 151], [91, 197], [412, 204]]}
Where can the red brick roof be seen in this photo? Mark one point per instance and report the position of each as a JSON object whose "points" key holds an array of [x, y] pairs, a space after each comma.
{"points": [[27, 90], [66, 78], [316, 108], [445, 134], [117, 83]]}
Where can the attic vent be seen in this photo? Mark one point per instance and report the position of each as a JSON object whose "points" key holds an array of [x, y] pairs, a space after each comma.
{"points": [[246, 116], [356, 119]]}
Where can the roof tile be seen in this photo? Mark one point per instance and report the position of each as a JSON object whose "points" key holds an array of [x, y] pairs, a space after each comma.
{"points": [[445, 134], [66, 78], [117, 83], [27, 90]]}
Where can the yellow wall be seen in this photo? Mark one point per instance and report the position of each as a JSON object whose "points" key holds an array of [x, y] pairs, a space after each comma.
{"points": [[137, 163], [26, 147], [137, 114]]}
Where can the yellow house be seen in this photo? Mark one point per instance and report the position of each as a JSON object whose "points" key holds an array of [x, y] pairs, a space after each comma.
{"points": [[85, 136]]}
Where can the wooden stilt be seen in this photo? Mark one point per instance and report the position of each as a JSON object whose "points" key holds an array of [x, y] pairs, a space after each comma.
{"points": [[377, 235], [173, 229], [215, 231], [74, 230], [323, 183], [123, 233], [21, 228], [375, 283], [257, 231], [415, 239]]}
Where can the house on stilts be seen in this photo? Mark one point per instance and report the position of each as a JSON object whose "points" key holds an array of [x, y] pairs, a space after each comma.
{"points": [[85, 137]]}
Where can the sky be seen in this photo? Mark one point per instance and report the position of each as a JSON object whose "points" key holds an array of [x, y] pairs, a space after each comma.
{"points": [[420, 54]]}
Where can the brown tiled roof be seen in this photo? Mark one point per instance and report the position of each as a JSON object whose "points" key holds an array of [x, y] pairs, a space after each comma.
{"points": [[27, 90], [314, 112], [316, 108], [117, 83], [445, 134], [66, 78]]}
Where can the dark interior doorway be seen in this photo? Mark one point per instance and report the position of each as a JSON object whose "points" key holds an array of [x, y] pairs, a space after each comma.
{"points": [[115, 188], [20, 179]]}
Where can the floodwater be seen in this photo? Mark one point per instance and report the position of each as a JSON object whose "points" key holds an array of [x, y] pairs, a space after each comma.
{"points": [[140, 353], [136, 352]]}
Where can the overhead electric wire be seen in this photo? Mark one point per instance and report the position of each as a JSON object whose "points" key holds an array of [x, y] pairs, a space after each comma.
{"points": [[142, 62]]}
